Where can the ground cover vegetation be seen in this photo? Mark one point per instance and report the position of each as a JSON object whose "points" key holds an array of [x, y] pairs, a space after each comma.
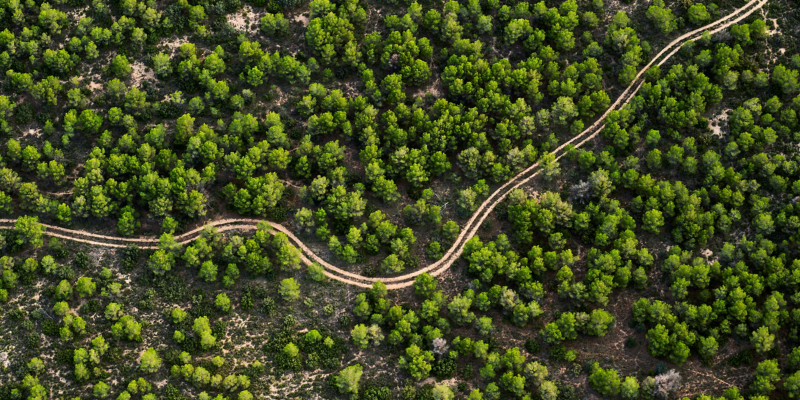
{"points": [[658, 260]]}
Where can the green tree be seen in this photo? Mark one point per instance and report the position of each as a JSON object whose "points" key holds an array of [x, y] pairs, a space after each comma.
{"points": [[417, 362], [605, 381], [450, 231], [349, 379], [425, 285], [149, 361], [550, 167], [600, 321], [127, 224], [223, 303], [459, 309], [652, 221], [289, 289], [161, 262], [208, 271], [629, 390], [120, 67], [113, 311], [393, 264], [698, 14], [792, 385], [662, 18], [274, 24], [30, 231], [101, 390], [61, 308], [85, 286], [707, 347], [767, 375], [360, 336], [658, 341], [162, 65], [762, 340], [63, 290]]}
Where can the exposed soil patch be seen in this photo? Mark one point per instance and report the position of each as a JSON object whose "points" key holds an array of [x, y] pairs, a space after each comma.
{"points": [[141, 73], [719, 124], [245, 20]]}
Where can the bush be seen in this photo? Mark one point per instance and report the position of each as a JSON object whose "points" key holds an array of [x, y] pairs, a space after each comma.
{"points": [[533, 346], [81, 261], [444, 368]]}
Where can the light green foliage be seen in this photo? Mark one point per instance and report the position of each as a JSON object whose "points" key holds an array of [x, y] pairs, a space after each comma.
{"points": [[605, 381], [120, 66], [150, 362], [417, 362], [762, 340], [289, 289], [348, 379], [85, 286], [223, 303]]}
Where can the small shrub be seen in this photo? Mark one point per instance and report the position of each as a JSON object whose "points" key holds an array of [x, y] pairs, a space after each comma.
{"points": [[81, 261]]}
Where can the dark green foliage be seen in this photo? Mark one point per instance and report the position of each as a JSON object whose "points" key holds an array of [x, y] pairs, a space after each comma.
{"points": [[114, 354], [65, 355], [92, 306], [81, 261], [321, 355], [202, 306], [17, 314], [172, 288], [268, 306], [129, 257], [371, 391], [219, 328], [467, 372], [569, 392], [533, 346], [278, 340], [742, 357], [50, 327], [557, 353], [290, 4], [246, 301], [444, 368], [24, 113], [371, 270], [171, 392], [168, 110], [33, 340]]}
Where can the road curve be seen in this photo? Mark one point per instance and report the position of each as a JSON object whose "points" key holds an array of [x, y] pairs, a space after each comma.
{"points": [[469, 229]]}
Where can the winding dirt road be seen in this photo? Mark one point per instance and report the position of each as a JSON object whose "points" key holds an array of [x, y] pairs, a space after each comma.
{"points": [[469, 229]]}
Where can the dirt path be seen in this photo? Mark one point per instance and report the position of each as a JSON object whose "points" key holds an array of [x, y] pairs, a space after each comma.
{"points": [[471, 227]]}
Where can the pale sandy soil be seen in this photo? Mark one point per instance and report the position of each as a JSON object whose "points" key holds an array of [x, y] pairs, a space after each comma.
{"points": [[174, 43], [434, 89], [95, 86], [76, 14], [32, 132], [141, 73], [777, 29], [716, 124], [246, 19], [301, 18]]}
